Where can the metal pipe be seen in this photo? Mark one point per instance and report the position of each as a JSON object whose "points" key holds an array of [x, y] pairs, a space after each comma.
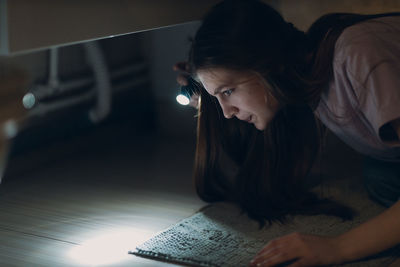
{"points": [[53, 81], [97, 61]]}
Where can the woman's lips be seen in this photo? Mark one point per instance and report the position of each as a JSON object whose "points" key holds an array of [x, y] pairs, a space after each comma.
{"points": [[249, 118]]}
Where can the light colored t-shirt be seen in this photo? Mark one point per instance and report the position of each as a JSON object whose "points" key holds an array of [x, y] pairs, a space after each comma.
{"points": [[364, 93]]}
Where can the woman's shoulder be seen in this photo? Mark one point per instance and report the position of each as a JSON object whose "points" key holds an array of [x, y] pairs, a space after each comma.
{"points": [[365, 45]]}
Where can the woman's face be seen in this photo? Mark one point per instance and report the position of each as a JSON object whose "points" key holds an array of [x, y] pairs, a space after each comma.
{"points": [[240, 94]]}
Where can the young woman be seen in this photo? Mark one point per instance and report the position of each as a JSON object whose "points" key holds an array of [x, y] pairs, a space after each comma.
{"points": [[275, 85]]}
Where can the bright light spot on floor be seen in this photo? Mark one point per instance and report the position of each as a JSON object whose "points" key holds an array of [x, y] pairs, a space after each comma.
{"points": [[109, 248], [183, 100]]}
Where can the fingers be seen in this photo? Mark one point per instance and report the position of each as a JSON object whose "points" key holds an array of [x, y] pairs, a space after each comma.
{"points": [[194, 101], [273, 256], [279, 259], [281, 250], [182, 79], [299, 263], [181, 66]]}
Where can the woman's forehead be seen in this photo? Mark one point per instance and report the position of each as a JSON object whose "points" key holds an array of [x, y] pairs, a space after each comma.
{"points": [[224, 75]]}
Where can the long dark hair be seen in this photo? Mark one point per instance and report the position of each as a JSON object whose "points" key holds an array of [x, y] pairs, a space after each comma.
{"points": [[273, 165]]}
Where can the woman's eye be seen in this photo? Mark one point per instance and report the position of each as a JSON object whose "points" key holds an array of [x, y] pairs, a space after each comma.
{"points": [[228, 92]]}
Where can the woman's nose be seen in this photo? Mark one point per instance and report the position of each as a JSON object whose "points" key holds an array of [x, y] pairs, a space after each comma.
{"points": [[229, 110]]}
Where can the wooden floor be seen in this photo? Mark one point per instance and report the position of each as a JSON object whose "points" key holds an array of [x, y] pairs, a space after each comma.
{"points": [[88, 200]]}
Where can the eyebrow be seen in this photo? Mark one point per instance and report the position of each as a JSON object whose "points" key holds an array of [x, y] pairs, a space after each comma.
{"points": [[218, 89]]}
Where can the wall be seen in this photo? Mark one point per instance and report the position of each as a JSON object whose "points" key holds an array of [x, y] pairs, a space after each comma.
{"points": [[303, 12], [134, 105], [168, 46]]}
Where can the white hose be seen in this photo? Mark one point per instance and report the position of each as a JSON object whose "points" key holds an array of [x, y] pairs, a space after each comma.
{"points": [[97, 61]]}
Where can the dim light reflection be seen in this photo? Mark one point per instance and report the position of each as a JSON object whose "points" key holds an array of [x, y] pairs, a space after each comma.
{"points": [[108, 248]]}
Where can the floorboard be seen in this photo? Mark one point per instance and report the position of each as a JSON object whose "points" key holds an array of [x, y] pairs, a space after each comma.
{"points": [[88, 200]]}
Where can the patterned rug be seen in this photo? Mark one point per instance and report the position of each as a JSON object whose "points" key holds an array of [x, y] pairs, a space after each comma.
{"points": [[219, 235]]}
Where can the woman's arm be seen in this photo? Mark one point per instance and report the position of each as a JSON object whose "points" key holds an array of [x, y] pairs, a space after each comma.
{"points": [[372, 237], [376, 235]]}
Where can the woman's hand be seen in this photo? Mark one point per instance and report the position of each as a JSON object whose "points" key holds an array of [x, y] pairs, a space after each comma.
{"points": [[369, 238], [299, 250], [183, 73]]}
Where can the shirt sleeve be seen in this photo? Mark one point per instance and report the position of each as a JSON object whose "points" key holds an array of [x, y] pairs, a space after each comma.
{"points": [[381, 103], [372, 62]]}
